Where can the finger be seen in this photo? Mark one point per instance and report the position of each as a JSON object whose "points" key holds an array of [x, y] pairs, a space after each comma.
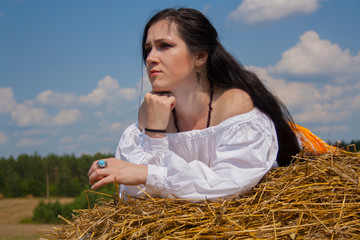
{"points": [[166, 100], [102, 182], [148, 95], [172, 102], [166, 94], [97, 175], [92, 168], [155, 100]]}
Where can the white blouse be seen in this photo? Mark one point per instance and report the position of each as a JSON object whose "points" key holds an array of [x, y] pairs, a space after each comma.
{"points": [[227, 159]]}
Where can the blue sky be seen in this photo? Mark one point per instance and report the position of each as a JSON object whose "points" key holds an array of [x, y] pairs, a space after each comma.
{"points": [[71, 71]]}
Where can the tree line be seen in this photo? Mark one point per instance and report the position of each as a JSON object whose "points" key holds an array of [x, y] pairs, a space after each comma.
{"points": [[353, 146], [52, 175], [64, 175]]}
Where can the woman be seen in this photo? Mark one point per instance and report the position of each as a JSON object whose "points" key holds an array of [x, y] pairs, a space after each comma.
{"points": [[208, 129]]}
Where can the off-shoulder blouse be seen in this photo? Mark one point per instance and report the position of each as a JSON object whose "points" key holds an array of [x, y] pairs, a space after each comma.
{"points": [[227, 159]]}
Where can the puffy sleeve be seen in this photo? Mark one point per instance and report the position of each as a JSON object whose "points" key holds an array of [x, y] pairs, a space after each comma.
{"points": [[239, 156]]}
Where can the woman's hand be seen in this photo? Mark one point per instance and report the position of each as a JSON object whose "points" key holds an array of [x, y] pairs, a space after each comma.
{"points": [[124, 172], [158, 109]]}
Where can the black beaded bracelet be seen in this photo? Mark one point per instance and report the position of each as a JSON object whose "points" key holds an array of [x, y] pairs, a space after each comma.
{"points": [[155, 130]]}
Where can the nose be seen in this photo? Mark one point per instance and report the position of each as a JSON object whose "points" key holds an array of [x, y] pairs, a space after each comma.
{"points": [[152, 57]]}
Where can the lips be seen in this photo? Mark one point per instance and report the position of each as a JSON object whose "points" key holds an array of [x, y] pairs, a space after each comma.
{"points": [[154, 73]]}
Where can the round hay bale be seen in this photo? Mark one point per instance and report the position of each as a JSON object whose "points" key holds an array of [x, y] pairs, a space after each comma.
{"points": [[314, 198], [29, 196]]}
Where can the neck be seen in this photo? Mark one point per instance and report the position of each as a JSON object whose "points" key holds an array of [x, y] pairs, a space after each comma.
{"points": [[192, 108]]}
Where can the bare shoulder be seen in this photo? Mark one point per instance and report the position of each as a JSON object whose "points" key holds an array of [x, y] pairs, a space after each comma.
{"points": [[231, 102], [142, 116]]}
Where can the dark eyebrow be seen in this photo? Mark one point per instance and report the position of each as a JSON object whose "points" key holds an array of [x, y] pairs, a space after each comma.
{"points": [[157, 41]]}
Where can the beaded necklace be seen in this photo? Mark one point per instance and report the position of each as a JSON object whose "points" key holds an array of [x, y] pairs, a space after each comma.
{"points": [[209, 112]]}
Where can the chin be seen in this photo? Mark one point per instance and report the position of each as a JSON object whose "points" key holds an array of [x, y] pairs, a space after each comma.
{"points": [[160, 89]]}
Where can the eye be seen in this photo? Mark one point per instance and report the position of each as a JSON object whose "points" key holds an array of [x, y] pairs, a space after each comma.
{"points": [[165, 45], [147, 51]]}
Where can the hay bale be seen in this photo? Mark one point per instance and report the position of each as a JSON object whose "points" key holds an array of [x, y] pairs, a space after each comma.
{"points": [[316, 197], [29, 196]]}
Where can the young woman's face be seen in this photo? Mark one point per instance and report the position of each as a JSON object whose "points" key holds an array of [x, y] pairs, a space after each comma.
{"points": [[169, 63]]}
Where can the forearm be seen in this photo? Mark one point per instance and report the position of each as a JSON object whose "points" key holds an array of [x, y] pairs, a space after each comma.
{"points": [[196, 180]]}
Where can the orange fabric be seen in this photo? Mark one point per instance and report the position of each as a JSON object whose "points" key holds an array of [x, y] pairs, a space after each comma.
{"points": [[311, 143]]}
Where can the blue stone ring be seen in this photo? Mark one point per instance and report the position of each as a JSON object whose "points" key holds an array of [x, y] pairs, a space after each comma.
{"points": [[101, 164]]}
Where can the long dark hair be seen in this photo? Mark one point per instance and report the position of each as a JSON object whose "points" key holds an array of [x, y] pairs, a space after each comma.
{"points": [[224, 71]]}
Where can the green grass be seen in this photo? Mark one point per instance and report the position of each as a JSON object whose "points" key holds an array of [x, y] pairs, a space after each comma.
{"points": [[26, 221]]}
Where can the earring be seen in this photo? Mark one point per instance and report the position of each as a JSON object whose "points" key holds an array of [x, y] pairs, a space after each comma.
{"points": [[198, 77]]}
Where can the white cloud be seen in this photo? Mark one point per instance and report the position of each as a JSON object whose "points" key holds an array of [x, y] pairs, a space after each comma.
{"points": [[332, 92], [86, 138], [126, 93], [356, 102], [309, 103], [327, 110], [31, 142], [263, 11], [313, 55], [105, 88], [69, 148], [66, 140], [117, 127], [108, 90], [294, 94], [112, 130], [50, 97], [35, 113], [40, 132], [7, 100], [66, 117], [3, 138], [322, 113], [339, 128], [106, 150], [98, 114], [27, 115]]}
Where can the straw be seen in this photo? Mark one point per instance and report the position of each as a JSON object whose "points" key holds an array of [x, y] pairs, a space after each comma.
{"points": [[316, 197]]}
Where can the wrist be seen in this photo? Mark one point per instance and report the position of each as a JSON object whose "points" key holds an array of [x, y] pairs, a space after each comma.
{"points": [[143, 174], [154, 132]]}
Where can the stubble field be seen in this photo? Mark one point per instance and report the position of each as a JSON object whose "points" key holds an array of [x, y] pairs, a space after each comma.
{"points": [[13, 210]]}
